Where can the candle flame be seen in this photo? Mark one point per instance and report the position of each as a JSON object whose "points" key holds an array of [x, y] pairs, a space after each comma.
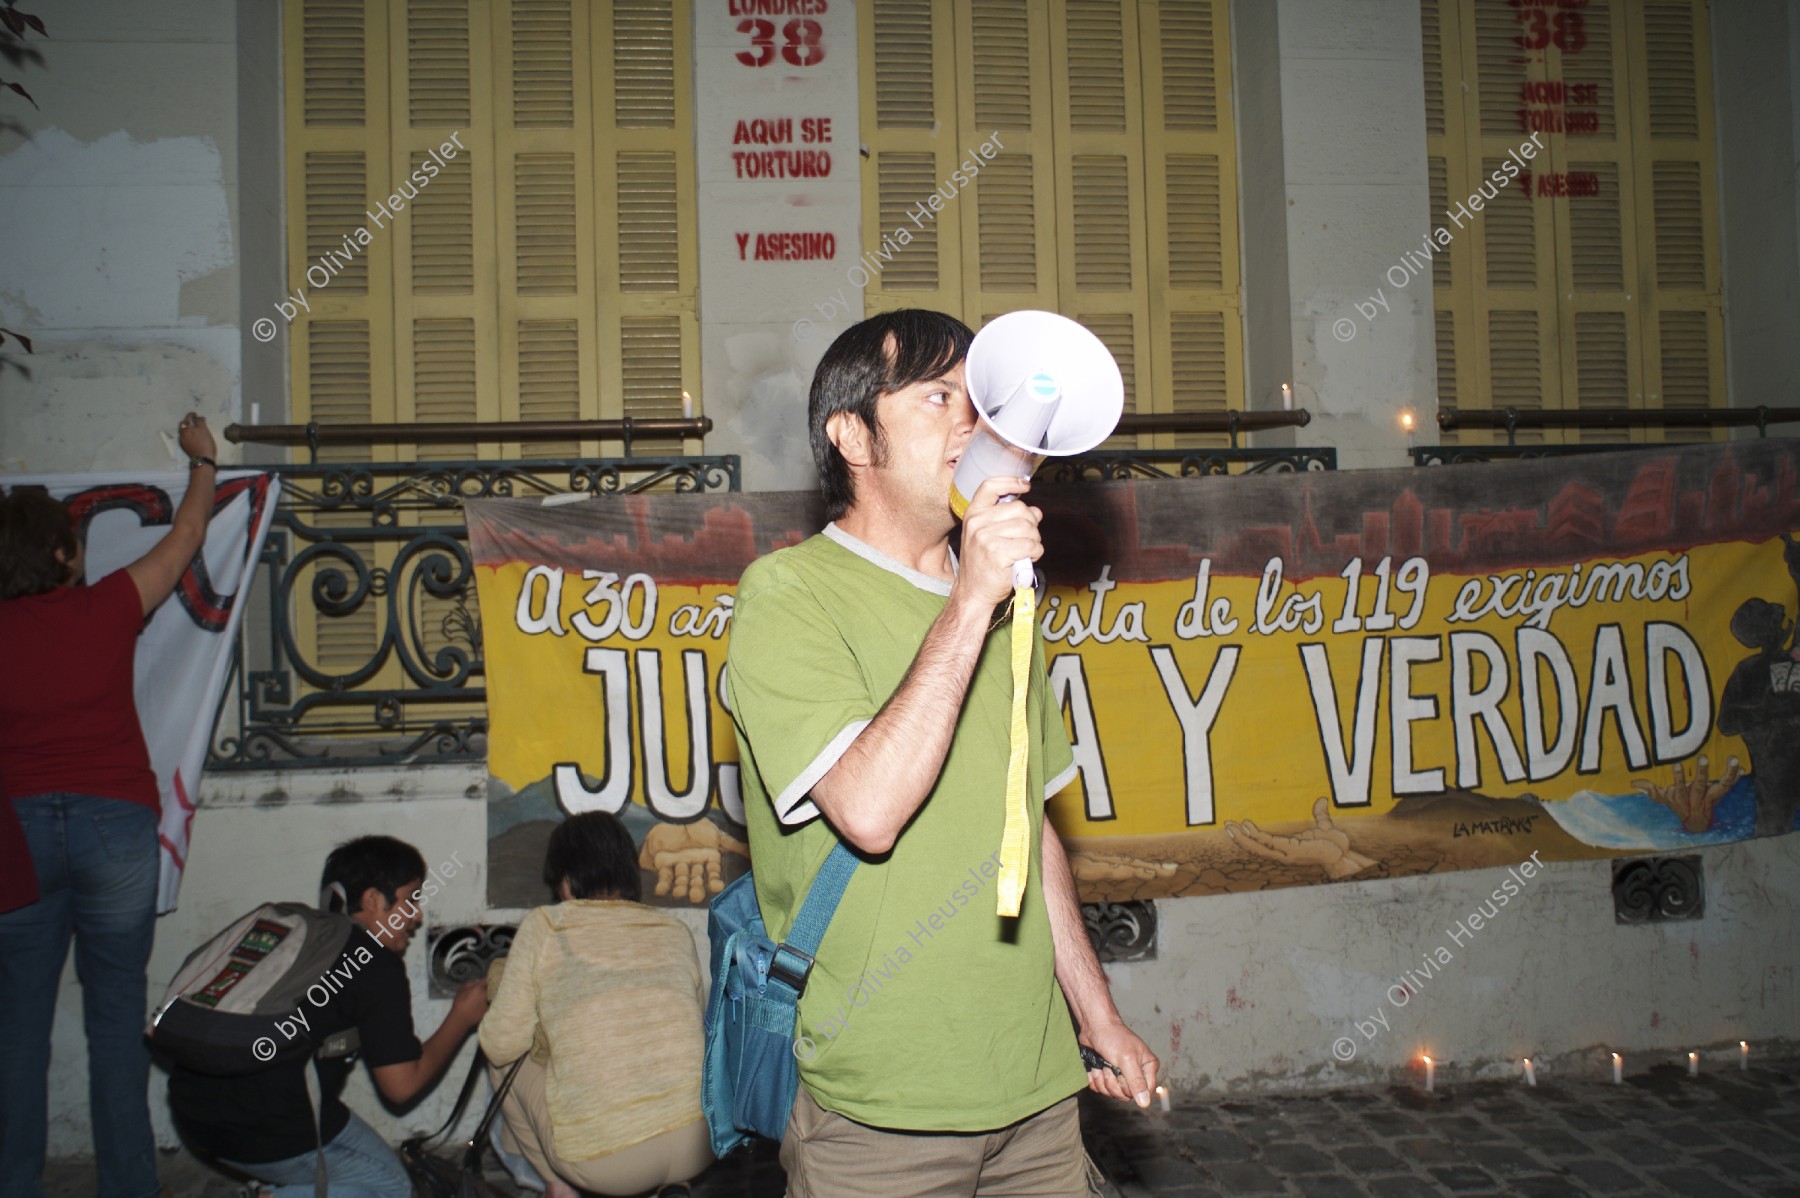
{"points": [[1617, 1058]]}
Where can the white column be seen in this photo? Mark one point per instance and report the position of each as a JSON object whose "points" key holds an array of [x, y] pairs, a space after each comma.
{"points": [[780, 194], [1353, 128]]}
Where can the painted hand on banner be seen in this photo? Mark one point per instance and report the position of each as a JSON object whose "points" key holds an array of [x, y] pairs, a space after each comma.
{"points": [[689, 858], [1109, 867], [1692, 799], [1323, 845]]}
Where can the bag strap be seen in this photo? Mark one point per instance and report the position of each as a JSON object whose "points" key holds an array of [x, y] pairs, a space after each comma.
{"points": [[794, 956], [462, 1101], [478, 1141]]}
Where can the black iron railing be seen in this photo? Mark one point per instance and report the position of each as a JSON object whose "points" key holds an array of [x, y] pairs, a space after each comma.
{"points": [[366, 649], [1514, 421]]}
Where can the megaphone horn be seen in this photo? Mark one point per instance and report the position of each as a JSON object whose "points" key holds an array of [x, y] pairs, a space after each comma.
{"points": [[1043, 386]]}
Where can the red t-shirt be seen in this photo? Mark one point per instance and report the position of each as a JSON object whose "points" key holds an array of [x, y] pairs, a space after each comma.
{"points": [[68, 720]]}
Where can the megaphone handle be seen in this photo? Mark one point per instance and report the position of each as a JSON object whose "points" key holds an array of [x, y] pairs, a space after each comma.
{"points": [[1023, 576]]}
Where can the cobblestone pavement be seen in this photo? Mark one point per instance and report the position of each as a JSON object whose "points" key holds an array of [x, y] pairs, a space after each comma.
{"points": [[1725, 1133]]}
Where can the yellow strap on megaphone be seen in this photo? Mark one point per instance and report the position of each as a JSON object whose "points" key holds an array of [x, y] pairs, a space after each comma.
{"points": [[1015, 841]]}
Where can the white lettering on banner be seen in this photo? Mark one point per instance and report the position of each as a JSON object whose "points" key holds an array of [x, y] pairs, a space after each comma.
{"points": [[1069, 692], [1127, 623], [626, 767], [659, 790], [1538, 597], [613, 604], [1197, 717], [1675, 678], [548, 617], [1350, 766]]}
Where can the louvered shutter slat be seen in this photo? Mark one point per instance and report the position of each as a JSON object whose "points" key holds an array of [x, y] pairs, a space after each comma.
{"points": [[444, 387], [443, 230], [643, 64], [438, 61], [1006, 205], [543, 66], [1002, 45], [904, 96], [649, 222], [900, 179]]}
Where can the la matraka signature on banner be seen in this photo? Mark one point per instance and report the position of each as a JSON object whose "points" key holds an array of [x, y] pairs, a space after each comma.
{"points": [[1268, 681]]}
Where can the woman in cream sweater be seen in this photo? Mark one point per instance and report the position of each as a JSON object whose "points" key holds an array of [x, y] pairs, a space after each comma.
{"points": [[603, 995]]}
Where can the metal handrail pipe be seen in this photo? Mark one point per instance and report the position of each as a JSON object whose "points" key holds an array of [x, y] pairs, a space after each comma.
{"points": [[1514, 418], [1212, 422], [429, 432]]}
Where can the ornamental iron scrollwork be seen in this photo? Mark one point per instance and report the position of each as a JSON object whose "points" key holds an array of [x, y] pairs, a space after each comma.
{"points": [[1658, 889], [461, 954], [366, 647], [1121, 931]]}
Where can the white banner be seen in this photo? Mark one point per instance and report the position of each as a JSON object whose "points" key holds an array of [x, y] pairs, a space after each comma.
{"points": [[184, 653]]}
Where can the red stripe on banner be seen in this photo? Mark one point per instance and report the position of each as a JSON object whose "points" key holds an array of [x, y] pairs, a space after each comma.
{"points": [[169, 847], [181, 793]]}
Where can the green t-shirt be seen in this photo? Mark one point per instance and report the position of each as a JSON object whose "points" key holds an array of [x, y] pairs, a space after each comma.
{"points": [[925, 1010]]}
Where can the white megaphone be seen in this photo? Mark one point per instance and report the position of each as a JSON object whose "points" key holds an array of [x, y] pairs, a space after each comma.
{"points": [[1043, 386]]}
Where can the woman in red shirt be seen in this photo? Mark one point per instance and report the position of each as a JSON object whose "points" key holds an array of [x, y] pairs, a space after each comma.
{"points": [[78, 796]]}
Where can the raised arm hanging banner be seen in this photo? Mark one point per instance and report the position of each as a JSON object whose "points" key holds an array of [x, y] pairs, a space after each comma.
{"points": [[1268, 681]]}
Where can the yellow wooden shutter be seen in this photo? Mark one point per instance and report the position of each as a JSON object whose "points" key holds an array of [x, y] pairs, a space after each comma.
{"points": [[1191, 220], [1113, 196], [444, 307], [908, 58], [643, 194], [547, 270], [1603, 294], [1009, 222], [1678, 241], [341, 352]]}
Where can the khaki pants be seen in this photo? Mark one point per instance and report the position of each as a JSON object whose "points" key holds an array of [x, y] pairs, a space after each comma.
{"points": [[829, 1156], [662, 1160]]}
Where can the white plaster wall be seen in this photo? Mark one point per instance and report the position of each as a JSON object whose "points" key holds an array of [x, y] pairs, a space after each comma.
{"points": [[1255, 991], [1755, 106], [1353, 124], [119, 257]]}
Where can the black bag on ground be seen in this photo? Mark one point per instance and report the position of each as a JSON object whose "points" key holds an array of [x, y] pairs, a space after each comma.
{"points": [[223, 1014], [434, 1176]]}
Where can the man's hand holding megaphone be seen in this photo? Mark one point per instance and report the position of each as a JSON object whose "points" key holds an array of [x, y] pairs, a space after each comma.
{"points": [[996, 533]]}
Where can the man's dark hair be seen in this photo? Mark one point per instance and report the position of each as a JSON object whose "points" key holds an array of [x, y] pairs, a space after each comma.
{"points": [[859, 368], [594, 852], [33, 526], [383, 862]]}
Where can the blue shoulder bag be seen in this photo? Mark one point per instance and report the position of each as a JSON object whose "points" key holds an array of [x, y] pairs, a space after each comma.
{"points": [[749, 1075]]}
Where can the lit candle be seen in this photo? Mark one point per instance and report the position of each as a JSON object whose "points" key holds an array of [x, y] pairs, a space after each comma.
{"points": [[1430, 1074], [1530, 1073], [1287, 398], [1162, 1094], [687, 406], [1407, 421], [1618, 1069], [1743, 1054], [1693, 1064]]}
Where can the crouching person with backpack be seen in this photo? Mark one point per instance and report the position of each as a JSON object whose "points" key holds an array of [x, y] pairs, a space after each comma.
{"points": [[262, 1123]]}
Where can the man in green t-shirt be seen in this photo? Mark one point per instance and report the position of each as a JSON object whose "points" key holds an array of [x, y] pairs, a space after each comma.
{"points": [[870, 684]]}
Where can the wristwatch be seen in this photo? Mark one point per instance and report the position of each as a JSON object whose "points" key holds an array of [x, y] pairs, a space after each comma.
{"points": [[196, 462]]}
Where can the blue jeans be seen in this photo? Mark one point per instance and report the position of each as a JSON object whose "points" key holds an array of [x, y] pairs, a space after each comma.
{"points": [[97, 864], [360, 1164]]}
